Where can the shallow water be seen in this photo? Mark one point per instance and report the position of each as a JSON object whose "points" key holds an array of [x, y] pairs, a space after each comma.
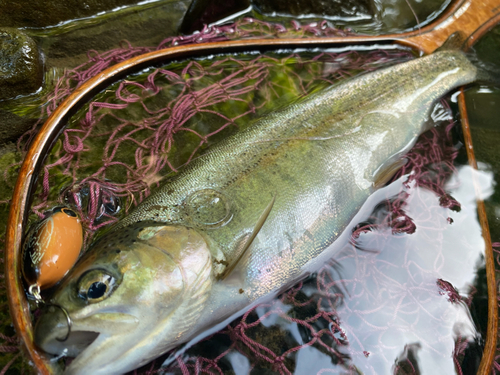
{"points": [[377, 17], [381, 307]]}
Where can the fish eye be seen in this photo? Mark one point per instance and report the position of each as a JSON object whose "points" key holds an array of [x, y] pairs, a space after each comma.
{"points": [[96, 285]]}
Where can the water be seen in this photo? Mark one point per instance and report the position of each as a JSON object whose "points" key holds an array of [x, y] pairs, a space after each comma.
{"points": [[376, 17], [381, 308]]}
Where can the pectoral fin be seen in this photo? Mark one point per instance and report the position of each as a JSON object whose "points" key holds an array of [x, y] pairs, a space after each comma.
{"points": [[247, 241]]}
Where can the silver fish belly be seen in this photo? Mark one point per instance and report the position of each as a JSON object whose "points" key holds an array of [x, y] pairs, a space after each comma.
{"points": [[256, 212]]}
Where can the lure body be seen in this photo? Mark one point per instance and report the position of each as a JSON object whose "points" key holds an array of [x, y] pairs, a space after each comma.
{"points": [[52, 248]]}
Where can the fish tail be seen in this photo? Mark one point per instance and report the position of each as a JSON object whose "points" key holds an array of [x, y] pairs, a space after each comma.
{"points": [[487, 72]]}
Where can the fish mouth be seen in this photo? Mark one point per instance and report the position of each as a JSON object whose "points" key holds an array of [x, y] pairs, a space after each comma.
{"points": [[59, 335], [55, 334], [73, 346]]}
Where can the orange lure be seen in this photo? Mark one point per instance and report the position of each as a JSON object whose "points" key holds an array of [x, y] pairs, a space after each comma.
{"points": [[52, 248]]}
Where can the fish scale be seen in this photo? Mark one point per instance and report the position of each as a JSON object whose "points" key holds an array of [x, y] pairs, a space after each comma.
{"points": [[264, 205]]}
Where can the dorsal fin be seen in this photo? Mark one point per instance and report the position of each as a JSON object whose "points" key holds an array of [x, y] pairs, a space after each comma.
{"points": [[258, 226]]}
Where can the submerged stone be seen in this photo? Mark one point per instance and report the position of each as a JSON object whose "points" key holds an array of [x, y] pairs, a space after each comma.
{"points": [[41, 13], [143, 25], [21, 68]]}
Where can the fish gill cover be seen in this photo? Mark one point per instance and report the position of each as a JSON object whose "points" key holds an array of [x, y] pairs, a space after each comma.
{"points": [[120, 146]]}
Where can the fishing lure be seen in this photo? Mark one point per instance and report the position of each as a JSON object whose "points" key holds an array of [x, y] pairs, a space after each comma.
{"points": [[51, 248]]}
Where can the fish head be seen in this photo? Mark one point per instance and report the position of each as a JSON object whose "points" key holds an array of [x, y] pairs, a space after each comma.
{"points": [[132, 296]]}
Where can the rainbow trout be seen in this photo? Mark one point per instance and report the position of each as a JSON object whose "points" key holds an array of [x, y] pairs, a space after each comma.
{"points": [[252, 216]]}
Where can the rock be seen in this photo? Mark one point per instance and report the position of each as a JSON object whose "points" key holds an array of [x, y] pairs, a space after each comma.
{"points": [[21, 68], [322, 8]]}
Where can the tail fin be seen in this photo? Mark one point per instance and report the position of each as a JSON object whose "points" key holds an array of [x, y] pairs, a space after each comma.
{"points": [[488, 72]]}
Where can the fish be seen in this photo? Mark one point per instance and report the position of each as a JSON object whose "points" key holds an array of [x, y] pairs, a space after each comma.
{"points": [[259, 211]]}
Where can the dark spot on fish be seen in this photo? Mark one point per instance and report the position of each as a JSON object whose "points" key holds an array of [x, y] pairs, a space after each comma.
{"points": [[118, 251], [170, 191], [241, 291]]}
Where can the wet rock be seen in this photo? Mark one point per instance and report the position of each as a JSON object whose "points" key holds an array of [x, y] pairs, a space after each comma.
{"points": [[332, 8], [21, 68], [41, 13]]}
